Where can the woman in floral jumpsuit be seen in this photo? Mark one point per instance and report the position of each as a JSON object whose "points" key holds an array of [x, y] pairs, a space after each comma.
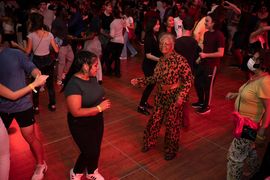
{"points": [[173, 76]]}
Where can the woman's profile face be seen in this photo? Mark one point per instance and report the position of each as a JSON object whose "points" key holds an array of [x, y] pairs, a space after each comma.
{"points": [[94, 68], [156, 27], [165, 46], [170, 22]]}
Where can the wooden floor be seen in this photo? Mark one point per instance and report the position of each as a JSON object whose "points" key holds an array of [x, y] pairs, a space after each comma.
{"points": [[203, 145]]}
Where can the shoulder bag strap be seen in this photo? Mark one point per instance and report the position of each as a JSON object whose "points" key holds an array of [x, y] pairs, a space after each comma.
{"points": [[39, 43]]}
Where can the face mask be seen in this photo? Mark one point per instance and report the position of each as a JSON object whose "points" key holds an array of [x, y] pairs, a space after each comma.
{"points": [[250, 64]]}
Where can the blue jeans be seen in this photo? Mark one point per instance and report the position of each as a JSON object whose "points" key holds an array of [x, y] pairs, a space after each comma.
{"points": [[127, 44]]}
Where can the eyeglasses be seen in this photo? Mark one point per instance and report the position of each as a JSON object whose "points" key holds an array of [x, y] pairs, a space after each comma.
{"points": [[164, 44]]}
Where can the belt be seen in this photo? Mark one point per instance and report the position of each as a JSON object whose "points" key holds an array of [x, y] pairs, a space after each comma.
{"points": [[43, 57], [170, 86]]}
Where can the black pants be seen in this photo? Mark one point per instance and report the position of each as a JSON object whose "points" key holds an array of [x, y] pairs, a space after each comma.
{"points": [[75, 43], [87, 133], [204, 81], [115, 49], [148, 70], [46, 66], [140, 30]]}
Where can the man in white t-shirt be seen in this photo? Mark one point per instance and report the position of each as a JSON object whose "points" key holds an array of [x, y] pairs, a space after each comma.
{"points": [[178, 22]]}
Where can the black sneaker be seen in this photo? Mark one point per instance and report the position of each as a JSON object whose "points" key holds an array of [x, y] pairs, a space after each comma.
{"points": [[148, 105], [204, 110], [197, 105], [141, 43], [143, 111]]}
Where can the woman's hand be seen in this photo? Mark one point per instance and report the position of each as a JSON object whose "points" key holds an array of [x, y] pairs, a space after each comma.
{"points": [[231, 96], [134, 82], [198, 60], [40, 80], [179, 101], [203, 55], [259, 142], [13, 44], [71, 37], [105, 104]]}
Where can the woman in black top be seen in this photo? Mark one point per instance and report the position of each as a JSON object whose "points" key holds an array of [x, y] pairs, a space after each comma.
{"points": [[152, 55], [85, 117], [106, 19]]}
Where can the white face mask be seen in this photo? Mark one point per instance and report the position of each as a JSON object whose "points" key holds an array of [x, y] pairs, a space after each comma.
{"points": [[250, 64]]}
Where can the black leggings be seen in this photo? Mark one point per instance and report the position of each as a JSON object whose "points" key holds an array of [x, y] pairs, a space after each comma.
{"points": [[87, 133], [46, 66], [148, 70]]}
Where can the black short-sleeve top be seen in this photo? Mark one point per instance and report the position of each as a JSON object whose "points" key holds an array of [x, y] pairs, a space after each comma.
{"points": [[151, 46], [91, 92]]}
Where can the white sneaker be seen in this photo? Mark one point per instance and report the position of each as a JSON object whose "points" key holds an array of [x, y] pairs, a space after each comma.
{"points": [[39, 172], [63, 76], [59, 82], [74, 176], [134, 54], [122, 57], [95, 176]]}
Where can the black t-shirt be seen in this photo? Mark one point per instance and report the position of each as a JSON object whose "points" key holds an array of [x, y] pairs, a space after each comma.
{"points": [[151, 46], [187, 47], [61, 27], [106, 21], [212, 41], [94, 26], [91, 92]]}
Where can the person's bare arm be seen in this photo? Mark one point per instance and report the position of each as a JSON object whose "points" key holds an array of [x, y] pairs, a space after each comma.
{"points": [[152, 57], [74, 103], [26, 50], [218, 54], [13, 95]]}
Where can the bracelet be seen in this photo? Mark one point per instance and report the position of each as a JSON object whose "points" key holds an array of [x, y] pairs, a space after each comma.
{"points": [[99, 108], [31, 85], [259, 137]]}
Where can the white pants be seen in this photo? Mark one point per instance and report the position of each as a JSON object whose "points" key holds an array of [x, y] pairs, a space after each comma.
{"points": [[4, 152]]}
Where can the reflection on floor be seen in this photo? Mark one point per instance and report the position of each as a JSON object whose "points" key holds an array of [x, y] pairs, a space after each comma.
{"points": [[203, 145]]}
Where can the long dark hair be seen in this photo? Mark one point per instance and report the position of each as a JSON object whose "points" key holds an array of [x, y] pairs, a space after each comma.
{"points": [[36, 22], [264, 58], [164, 27], [151, 23], [81, 58]]}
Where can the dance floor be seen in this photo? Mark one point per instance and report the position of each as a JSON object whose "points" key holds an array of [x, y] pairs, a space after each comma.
{"points": [[202, 148]]}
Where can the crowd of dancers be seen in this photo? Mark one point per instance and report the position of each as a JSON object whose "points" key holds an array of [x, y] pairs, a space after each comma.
{"points": [[183, 44]]}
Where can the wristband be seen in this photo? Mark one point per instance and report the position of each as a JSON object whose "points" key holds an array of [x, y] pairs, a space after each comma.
{"points": [[259, 137], [99, 108], [31, 85]]}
